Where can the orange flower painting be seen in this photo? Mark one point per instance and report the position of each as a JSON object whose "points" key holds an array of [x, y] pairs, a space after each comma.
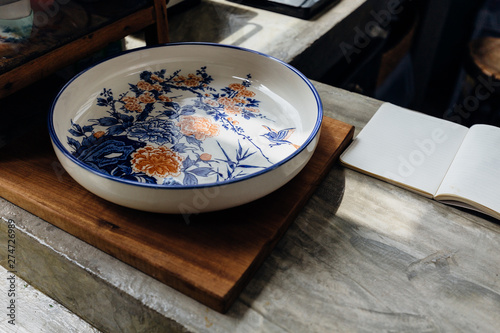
{"points": [[143, 85], [164, 98], [99, 134], [157, 87], [236, 102], [242, 90], [236, 87], [233, 109], [205, 157], [199, 127], [246, 93], [147, 98], [155, 77], [157, 161], [132, 104], [226, 101], [170, 117], [211, 102], [190, 81]]}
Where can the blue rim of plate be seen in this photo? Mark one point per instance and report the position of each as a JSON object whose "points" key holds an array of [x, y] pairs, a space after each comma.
{"points": [[313, 134]]}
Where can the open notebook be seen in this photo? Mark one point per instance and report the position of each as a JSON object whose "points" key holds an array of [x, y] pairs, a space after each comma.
{"points": [[434, 157]]}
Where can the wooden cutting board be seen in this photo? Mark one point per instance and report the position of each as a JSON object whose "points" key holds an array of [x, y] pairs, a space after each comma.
{"points": [[209, 257]]}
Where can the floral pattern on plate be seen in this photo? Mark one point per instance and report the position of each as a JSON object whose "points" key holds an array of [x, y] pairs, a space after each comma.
{"points": [[177, 129]]}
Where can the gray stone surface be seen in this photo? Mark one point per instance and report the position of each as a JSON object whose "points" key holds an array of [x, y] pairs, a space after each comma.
{"points": [[34, 311], [312, 46]]}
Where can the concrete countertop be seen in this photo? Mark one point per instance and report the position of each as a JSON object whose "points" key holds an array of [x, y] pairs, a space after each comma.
{"points": [[363, 256], [312, 46], [115, 297]]}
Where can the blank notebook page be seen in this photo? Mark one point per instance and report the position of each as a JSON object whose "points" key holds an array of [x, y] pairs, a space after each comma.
{"points": [[475, 173], [406, 147]]}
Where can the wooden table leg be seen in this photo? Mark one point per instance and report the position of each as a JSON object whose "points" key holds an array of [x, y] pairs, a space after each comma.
{"points": [[158, 34]]}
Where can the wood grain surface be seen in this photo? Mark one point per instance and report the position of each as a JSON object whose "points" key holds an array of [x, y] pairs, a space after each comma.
{"points": [[209, 257]]}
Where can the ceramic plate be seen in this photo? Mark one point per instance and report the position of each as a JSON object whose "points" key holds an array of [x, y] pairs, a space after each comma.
{"points": [[186, 116]]}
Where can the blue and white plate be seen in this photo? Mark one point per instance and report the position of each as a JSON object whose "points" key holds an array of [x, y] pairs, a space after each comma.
{"points": [[186, 128]]}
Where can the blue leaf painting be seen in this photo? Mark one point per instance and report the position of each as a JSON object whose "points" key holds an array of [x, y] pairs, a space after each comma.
{"points": [[157, 129], [190, 179]]}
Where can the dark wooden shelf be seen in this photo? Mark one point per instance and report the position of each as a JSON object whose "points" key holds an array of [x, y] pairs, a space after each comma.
{"points": [[74, 31]]}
